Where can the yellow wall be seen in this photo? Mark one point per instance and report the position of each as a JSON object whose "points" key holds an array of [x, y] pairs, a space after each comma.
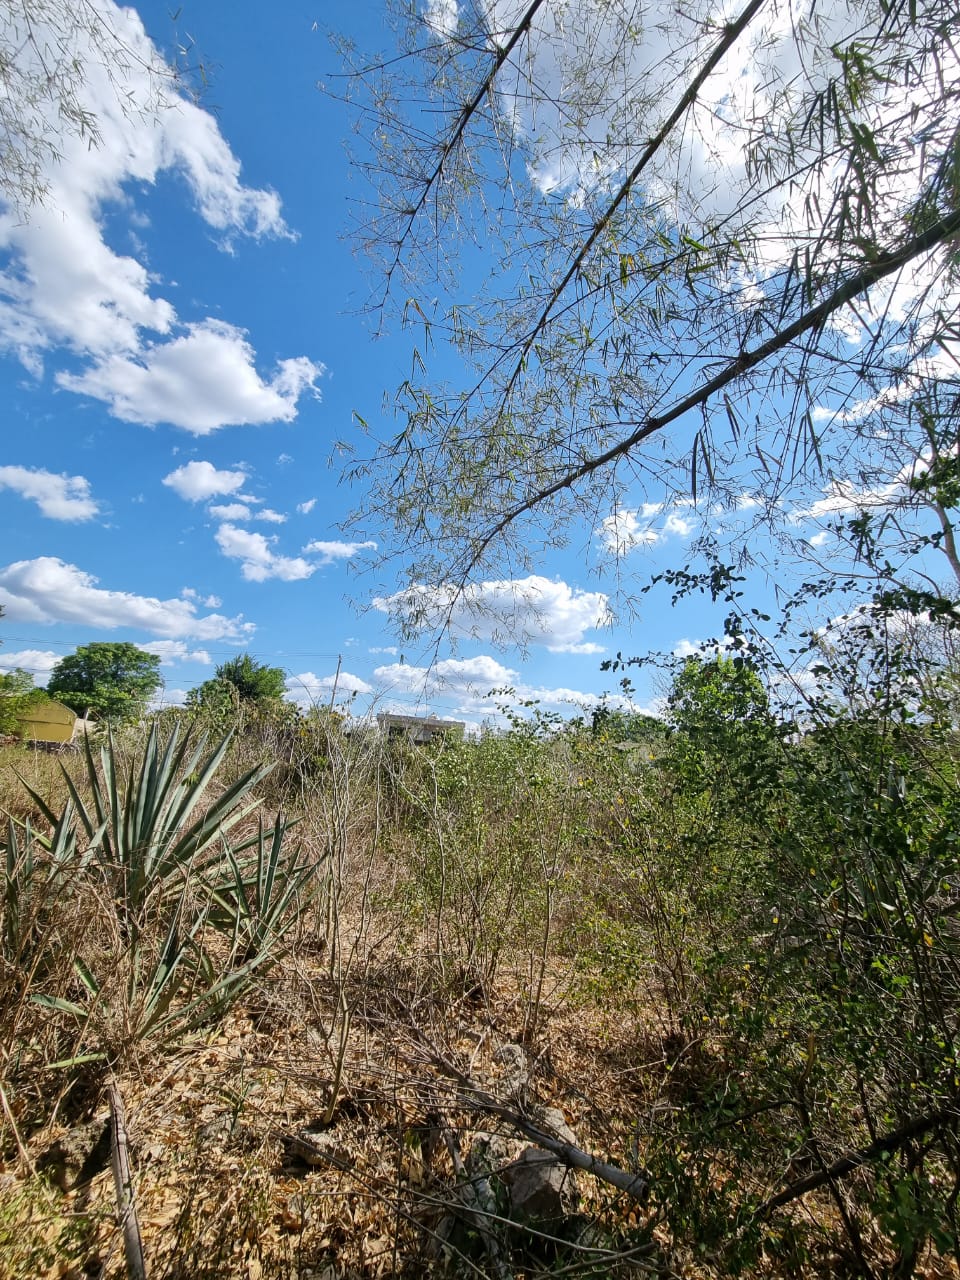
{"points": [[48, 722]]}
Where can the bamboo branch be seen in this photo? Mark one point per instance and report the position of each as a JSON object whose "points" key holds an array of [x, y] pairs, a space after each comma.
{"points": [[635, 1185], [123, 1183], [840, 1168], [885, 264]]}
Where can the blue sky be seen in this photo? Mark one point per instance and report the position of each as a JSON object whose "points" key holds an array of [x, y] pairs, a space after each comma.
{"points": [[182, 344]]}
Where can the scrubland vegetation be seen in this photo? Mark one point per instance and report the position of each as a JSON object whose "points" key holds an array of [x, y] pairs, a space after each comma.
{"points": [[338, 985]]}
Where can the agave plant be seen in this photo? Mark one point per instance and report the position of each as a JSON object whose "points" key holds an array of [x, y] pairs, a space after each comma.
{"points": [[35, 871], [253, 904], [144, 833], [173, 873]]}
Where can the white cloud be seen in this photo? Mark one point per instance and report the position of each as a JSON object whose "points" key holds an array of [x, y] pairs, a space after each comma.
{"points": [[49, 590], [628, 528], [330, 552], [479, 688], [198, 481], [60, 497], [700, 648], [200, 381], [622, 532], [230, 511], [259, 561], [442, 16], [172, 651], [209, 602], [304, 508], [842, 497], [65, 287], [534, 609], [39, 662], [596, 80], [678, 525], [461, 676], [270, 517], [169, 698], [308, 689]]}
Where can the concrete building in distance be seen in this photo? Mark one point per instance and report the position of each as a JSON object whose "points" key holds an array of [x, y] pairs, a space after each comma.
{"points": [[420, 730]]}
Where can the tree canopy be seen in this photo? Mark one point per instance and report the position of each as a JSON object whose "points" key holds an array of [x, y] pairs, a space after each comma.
{"points": [[240, 680], [113, 680], [724, 268]]}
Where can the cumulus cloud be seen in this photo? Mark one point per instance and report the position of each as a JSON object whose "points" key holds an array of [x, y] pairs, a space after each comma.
{"points": [[535, 610], [39, 662], [479, 688], [231, 511], [208, 602], [307, 689], [199, 481], [622, 532], [842, 497], [442, 16], [330, 552], [270, 516], [172, 651], [66, 288], [304, 508], [258, 559], [60, 497], [49, 590], [701, 648], [200, 381], [630, 527], [169, 698]]}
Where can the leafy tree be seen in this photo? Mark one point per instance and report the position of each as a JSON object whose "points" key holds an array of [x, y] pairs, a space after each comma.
{"points": [[709, 696], [624, 726], [254, 681], [241, 680], [17, 692], [694, 269], [115, 680]]}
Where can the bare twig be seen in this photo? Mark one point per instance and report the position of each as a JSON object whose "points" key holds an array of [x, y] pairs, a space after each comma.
{"points": [[840, 1168], [635, 1185], [479, 1202], [123, 1182]]}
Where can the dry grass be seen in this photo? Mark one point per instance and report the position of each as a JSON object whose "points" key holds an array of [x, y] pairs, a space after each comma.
{"points": [[363, 1034]]}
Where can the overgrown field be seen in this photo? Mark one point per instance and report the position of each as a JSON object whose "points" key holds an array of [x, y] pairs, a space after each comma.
{"points": [[351, 995]]}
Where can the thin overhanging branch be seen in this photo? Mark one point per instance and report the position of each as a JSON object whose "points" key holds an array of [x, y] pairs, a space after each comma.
{"points": [[885, 264], [731, 34], [463, 120]]}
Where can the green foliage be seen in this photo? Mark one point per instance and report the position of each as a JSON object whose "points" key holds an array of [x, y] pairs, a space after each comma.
{"points": [[216, 701], [709, 697], [626, 726], [114, 680], [167, 871], [254, 681], [17, 694]]}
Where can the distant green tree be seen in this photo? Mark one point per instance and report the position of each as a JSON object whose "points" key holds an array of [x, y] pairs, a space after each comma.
{"points": [[708, 697], [215, 699], [254, 681], [114, 680], [627, 726], [17, 693]]}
